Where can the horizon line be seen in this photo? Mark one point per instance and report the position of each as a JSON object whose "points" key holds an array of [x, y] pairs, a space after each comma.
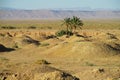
{"points": [[74, 8]]}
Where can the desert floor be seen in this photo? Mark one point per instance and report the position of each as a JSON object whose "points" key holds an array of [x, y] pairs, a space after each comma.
{"points": [[38, 55]]}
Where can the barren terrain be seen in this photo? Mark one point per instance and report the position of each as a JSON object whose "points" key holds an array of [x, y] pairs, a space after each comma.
{"points": [[92, 54]]}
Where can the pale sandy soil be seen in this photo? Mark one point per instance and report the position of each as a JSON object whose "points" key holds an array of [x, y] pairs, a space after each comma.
{"points": [[92, 55]]}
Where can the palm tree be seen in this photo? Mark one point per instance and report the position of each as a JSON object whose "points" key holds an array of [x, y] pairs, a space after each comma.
{"points": [[67, 22], [72, 24], [76, 23]]}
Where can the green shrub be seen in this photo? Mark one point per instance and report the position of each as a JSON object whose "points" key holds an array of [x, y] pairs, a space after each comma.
{"points": [[89, 64], [60, 33], [49, 27], [11, 27], [31, 27], [45, 44], [2, 34], [42, 28], [4, 59], [50, 36], [8, 27], [42, 62], [63, 32], [3, 27]]}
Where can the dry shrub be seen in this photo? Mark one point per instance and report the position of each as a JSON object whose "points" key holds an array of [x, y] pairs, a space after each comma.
{"points": [[42, 62]]}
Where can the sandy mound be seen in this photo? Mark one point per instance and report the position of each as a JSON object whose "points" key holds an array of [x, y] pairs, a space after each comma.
{"points": [[21, 42], [29, 40], [42, 72], [100, 44], [84, 49]]}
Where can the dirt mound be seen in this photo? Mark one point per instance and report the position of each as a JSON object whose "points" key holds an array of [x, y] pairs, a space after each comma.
{"points": [[5, 49], [85, 49], [24, 41], [104, 37], [87, 45], [42, 72], [29, 40]]}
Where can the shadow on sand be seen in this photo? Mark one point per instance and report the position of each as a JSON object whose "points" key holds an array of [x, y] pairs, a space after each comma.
{"points": [[5, 49]]}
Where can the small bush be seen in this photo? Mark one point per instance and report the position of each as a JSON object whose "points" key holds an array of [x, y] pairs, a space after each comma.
{"points": [[42, 62], [63, 32], [4, 59], [31, 27], [2, 34], [89, 64], [45, 44], [49, 27], [11, 27], [3, 27], [60, 33], [42, 28], [50, 36], [8, 27]]}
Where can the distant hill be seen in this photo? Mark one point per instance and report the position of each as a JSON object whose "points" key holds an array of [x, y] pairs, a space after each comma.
{"points": [[14, 14]]}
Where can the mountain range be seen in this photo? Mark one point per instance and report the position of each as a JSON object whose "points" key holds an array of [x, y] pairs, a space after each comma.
{"points": [[15, 14]]}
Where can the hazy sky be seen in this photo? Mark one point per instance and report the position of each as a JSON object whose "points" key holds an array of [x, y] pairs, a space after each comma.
{"points": [[55, 4]]}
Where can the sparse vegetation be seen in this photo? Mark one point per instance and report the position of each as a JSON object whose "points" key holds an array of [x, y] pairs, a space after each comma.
{"points": [[31, 27], [2, 34], [72, 23], [76, 23], [60, 33], [55, 24], [8, 27], [88, 53], [63, 32], [89, 64], [49, 27], [42, 62], [4, 59], [50, 36], [44, 44]]}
